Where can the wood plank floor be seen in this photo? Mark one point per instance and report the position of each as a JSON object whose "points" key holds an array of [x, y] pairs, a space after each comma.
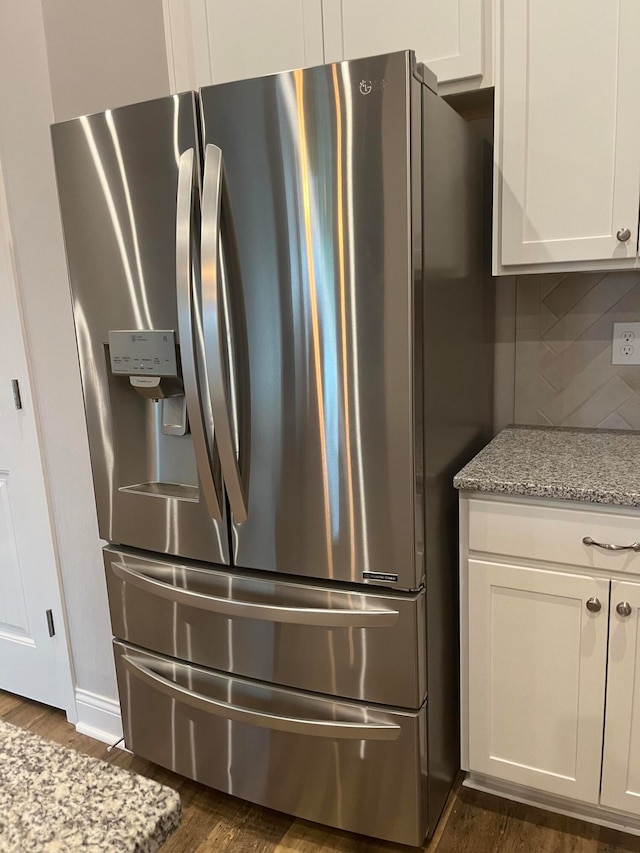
{"points": [[472, 823]]}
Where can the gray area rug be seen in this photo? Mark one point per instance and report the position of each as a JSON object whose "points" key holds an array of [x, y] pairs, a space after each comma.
{"points": [[56, 800]]}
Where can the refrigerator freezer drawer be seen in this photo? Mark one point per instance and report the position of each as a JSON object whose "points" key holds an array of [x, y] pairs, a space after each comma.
{"points": [[360, 645], [343, 764]]}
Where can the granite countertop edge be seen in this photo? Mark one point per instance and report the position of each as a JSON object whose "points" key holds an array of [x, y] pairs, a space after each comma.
{"points": [[569, 464], [558, 491]]}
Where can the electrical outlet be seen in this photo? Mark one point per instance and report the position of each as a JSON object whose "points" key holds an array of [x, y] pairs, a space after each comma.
{"points": [[626, 343]]}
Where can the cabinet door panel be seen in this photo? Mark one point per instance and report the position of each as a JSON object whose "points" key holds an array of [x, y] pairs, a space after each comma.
{"points": [[536, 678], [249, 39], [621, 765], [568, 131], [448, 37]]}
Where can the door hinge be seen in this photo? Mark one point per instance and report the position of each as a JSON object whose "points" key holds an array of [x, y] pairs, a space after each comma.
{"points": [[50, 625], [17, 399]]}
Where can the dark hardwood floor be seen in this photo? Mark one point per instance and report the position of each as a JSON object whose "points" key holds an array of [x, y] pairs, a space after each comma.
{"points": [[473, 822]]}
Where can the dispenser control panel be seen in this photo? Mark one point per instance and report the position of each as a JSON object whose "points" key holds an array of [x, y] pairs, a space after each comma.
{"points": [[138, 353]]}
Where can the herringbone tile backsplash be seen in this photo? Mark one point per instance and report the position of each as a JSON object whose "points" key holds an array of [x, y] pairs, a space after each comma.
{"points": [[564, 374]]}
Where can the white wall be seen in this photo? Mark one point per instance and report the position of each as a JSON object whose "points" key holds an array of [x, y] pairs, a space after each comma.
{"points": [[81, 80]]}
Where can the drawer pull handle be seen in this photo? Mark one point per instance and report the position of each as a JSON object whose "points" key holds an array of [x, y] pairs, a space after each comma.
{"points": [[623, 608], [325, 617], [635, 546], [343, 729]]}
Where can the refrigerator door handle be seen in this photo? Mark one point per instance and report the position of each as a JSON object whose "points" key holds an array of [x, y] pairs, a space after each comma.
{"points": [[341, 729], [184, 296], [320, 616], [213, 319]]}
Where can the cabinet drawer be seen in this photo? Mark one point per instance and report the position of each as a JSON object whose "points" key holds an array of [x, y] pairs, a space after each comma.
{"points": [[366, 646], [534, 531], [339, 763]]}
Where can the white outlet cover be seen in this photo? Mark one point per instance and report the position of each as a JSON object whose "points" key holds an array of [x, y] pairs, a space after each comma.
{"points": [[626, 343]]}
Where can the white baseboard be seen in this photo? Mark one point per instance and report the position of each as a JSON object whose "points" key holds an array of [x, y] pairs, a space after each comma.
{"points": [[98, 717], [582, 811]]}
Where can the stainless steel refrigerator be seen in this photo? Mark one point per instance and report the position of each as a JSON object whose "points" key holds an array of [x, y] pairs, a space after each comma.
{"points": [[281, 317]]}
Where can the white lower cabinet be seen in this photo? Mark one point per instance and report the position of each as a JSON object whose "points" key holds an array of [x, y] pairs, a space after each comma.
{"points": [[621, 756], [551, 657], [536, 677]]}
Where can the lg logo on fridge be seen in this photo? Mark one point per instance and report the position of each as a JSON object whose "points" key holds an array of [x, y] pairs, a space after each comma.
{"points": [[369, 86]]}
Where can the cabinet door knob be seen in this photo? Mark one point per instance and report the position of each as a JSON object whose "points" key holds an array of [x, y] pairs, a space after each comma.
{"points": [[623, 235], [624, 608], [593, 605]]}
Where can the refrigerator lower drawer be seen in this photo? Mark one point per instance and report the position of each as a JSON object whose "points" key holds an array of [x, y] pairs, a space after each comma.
{"points": [[358, 644], [343, 764]]}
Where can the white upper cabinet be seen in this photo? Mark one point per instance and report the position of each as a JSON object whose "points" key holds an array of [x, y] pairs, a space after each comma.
{"points": [[454, 38], [249, 39], [567, 140], [214, 41]]}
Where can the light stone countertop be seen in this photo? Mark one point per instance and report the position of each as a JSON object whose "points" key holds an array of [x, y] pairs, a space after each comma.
{"points": [[598, 466], [56, 800]]}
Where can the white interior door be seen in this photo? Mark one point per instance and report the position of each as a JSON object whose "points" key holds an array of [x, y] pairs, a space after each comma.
{"points": [[34, 662]]}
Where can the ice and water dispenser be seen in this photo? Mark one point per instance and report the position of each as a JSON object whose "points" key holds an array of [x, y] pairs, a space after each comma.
{"points": [[148, 404]]}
